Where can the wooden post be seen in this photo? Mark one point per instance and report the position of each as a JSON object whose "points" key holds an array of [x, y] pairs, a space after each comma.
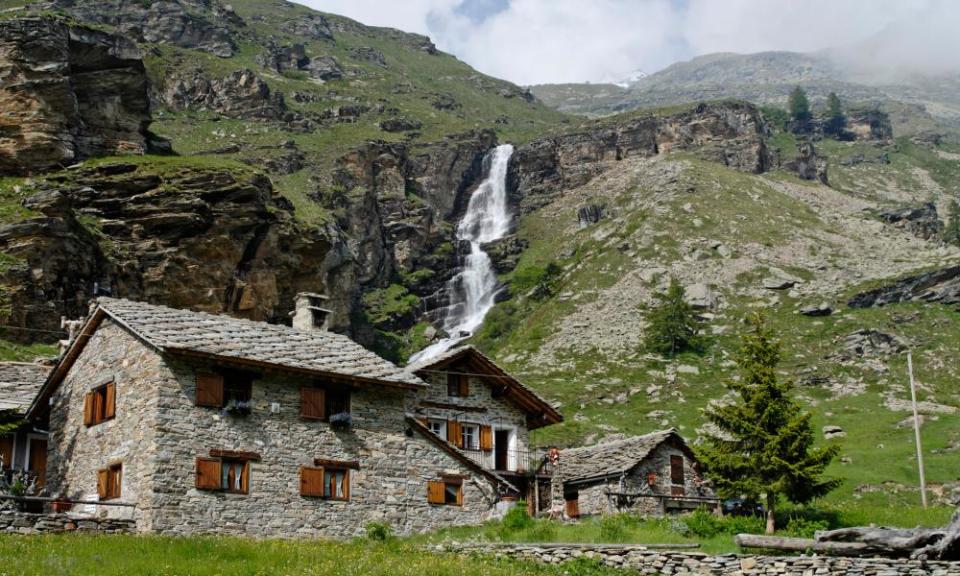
{"points": [[916, 430]]}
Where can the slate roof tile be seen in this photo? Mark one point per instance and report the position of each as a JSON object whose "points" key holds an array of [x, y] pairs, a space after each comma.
{"points": [[19, 384], [610, 458]]}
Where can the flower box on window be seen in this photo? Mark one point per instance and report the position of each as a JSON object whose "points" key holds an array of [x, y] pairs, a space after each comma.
{"points": [[238, 407], [341, 420]]}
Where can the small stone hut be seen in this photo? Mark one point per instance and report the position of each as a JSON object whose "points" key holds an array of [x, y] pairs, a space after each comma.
{"points": [[651, 474], [23, 450]]}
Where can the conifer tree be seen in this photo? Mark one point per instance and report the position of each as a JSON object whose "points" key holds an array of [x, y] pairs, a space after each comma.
{"points": [[951, 234], [765, 441], [836, 120], [673, 326], [799, 107]]}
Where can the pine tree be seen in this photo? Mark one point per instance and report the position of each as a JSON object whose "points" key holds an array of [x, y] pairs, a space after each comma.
{"points": [[799, 107], [673, 326], [951, 234], [765, 439], [836, 120]]}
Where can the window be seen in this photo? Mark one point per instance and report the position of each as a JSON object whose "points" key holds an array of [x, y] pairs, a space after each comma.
{"points": [[6, 450], [327, 479], [438, 427], [321, 403], [458, 385], [225, 471], [109, 481], [100, 404], [448, 491], [676, 470], [471, 436], [231, 389]]}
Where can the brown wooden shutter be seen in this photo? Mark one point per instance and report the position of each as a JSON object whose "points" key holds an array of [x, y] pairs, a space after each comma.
{"points": [[208, 474], [573, 508], [463, 385], [676, 470], [88, 409], [486, 438], [453, 433], [313, 402], [346, 484], [311, 481], [111, 405], [460, 495], [435, 492], [210, 390], [245, 478], [103, 483]]}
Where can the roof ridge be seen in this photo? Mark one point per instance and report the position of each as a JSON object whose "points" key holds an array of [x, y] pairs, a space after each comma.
{"points": [[626, 440]]}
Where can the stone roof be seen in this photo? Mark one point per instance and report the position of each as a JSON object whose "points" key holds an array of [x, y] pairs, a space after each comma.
{"points": [[171, 330], [19, 384], [525, 396], [611, 458]]}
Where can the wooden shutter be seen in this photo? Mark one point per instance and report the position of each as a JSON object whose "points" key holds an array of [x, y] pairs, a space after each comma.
{"points": [[210, 390], [311, 481], [486, 438], [453, 433], [676, 470], [208, 474], [346, 484], [460, 495], [463, 384], [313, 402], [435, 492], [245, 478], [573, 508], [103, 483], [88, 409], [6, 450], [110, 408]]}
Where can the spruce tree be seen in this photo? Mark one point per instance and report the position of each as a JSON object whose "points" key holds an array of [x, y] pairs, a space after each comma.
{"points": [[799, 107], [672, 325], [836, 120], [765, 441], [951, 234]]}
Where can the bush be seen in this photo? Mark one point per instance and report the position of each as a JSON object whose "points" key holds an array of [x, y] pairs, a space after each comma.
{"points": [[804, 528], [517, 518], [704, 524], [378, 531]]}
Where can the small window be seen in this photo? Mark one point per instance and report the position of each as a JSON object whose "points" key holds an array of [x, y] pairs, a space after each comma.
{"points": [[457, 385], [317, 403], [448, 492], [338, 402], [330, 481], [223, 474], [100, 404], [231, 389], [109, 481], [336, 483], [470, 436], [438, 427]]}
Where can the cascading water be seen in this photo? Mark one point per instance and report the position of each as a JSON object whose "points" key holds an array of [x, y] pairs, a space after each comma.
{"points": [[473, 290]]}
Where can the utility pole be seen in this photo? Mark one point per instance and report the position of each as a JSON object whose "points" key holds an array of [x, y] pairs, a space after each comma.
{"points": [[916, 430]]}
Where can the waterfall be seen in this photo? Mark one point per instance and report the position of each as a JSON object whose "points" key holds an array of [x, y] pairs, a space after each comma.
{"points": [[473, 290]]}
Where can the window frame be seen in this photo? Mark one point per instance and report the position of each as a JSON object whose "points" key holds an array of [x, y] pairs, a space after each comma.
{"points": [[330, 485], [468, 430], [447, 483], [441, 425], [229, 384], [229, 463], [334, 400], [100, 404], [458, 385], [113, 484], [677, 470]]}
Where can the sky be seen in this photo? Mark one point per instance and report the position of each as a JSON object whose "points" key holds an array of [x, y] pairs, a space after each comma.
{"points": [[548, 41]]}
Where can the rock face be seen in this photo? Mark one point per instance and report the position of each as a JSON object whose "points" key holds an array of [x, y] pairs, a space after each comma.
{"points": [[921, 221], [732, 133], [210, 239], [240, 94], [68, 93], [178, 22], [808, 165], [938, 286]]}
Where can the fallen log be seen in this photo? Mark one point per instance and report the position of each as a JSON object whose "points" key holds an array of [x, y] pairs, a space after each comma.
{"points": [[803, 545]]}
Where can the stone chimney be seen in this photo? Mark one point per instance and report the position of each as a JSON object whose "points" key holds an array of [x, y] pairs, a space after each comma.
{"points": [[309, 314]]}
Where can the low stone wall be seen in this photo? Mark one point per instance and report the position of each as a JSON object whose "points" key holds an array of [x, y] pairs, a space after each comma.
{"points": [[33, 523], [651, 561]]}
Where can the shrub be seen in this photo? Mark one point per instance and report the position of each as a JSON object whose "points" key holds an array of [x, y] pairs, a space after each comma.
{"points": [[517, 518], [378, 531], [613, 528], [704, 524], [804, 528]]}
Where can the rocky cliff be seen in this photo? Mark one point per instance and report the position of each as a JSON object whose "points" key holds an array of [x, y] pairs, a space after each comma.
{"points": [[68, 93]]}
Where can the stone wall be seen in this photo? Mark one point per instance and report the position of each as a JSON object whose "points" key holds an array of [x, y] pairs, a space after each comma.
{"points": [[593, 497], [28, 523], [640, 559]]}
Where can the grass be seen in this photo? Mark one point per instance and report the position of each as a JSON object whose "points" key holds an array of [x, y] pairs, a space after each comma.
{"points": [[16, 352], [105, 555]]}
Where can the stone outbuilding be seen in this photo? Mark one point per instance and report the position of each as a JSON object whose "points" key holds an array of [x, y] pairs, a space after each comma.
{"points": [[23, 452], [651, 474], [198, 423]]}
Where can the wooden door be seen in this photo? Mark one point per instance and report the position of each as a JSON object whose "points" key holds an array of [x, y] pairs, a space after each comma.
{"points": [[501, 453], [6, 450], [38, 459], [573, 508]]}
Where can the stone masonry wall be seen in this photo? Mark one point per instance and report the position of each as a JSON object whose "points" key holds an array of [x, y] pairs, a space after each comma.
{"points": [[27, 523], [76, 452], [497, 412], [390, 485], [593, 498], [638, 559]]}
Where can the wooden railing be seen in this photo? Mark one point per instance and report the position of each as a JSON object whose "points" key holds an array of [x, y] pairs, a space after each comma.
{"points": [[513, 461]]}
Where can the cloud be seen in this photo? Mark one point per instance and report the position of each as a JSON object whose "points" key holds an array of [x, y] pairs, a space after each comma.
{"points": [[536, 41]]}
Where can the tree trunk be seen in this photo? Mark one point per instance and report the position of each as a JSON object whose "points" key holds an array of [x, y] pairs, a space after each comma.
{"points": [[771, 517]]}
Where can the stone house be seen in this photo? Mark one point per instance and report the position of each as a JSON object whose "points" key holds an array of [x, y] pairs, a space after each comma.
{"points": [[198, 423], [487, 414], [651, 474], [23, 449]]}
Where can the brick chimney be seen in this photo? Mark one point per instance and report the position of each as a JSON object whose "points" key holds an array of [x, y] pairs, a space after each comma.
{"points": [[308, 314]]}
